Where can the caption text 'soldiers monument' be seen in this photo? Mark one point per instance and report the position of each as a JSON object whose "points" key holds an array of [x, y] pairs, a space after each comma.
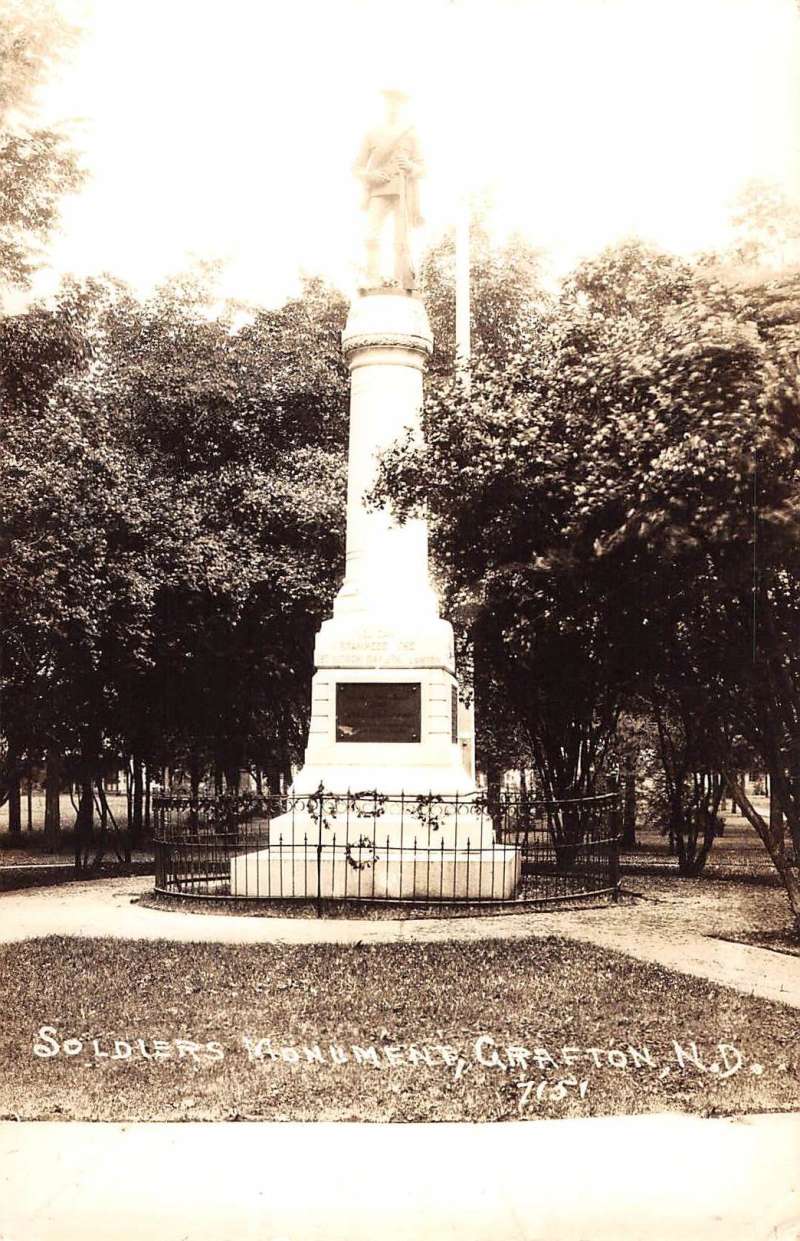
{"points": [[384, 706]]}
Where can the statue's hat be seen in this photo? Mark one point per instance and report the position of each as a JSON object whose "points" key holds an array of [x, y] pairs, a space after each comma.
{"points": [[395, 92]]}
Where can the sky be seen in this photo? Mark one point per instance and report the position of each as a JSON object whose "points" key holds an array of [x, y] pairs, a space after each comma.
{"points": [[227, 131]]}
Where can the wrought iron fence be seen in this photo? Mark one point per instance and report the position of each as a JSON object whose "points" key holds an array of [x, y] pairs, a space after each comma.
{"points": [[432, 854]]}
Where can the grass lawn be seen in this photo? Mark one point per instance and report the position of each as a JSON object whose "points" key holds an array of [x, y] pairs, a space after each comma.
{"points": [[775, 941], [459, 1031], [118, 804], [737, 853]]}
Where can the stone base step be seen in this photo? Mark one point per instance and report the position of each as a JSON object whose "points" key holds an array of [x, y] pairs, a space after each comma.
{"points": [[295, 872]]}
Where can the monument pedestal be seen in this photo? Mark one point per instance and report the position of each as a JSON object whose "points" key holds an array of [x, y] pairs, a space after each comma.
{"points": [[297, 873], [384, 697]]}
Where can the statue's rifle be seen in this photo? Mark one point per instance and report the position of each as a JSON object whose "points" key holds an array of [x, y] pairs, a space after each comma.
{"points": [[408, 270], [383, 151]]}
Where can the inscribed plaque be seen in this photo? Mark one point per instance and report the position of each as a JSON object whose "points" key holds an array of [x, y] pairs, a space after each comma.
{"points": [[378, 712]]}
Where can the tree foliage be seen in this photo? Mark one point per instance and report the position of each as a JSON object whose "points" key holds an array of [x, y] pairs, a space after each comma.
{"points": [[37, 164], [505, 293], [767, 224], [619, 502], [171, 506]]}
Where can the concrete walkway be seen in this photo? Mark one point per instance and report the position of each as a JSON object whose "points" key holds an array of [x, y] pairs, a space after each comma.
{"points": [[647, 931], [644, 1178], [753, 971]]}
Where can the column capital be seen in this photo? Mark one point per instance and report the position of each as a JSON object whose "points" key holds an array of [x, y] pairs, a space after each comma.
{"points": [[390, 321]]}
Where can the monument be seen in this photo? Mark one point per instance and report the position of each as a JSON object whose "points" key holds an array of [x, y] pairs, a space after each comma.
{"points": [[384, 696], [389, 166]]}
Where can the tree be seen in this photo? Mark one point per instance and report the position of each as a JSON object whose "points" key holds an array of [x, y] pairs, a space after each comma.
{"points": [[632, 754], [497, 477], [37, 164], [36, 167], [37, 350], [711, 485], [767, 224], [698, 514], [171, 529], [689, 786], [505, 295], [252, 424], [705, 530], [597, 501]]}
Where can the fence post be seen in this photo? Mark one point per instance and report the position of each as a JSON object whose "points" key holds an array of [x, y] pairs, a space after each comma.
{"points": [[614, 835], [319, 853]]}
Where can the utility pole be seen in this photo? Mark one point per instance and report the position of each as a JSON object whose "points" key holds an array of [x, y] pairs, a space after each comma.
{"points": [[463, 329], [466, 712], [462, 210]]}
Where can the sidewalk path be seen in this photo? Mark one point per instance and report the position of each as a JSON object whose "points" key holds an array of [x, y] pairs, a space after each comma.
{"points": [[644, 1178], [665, 933]]}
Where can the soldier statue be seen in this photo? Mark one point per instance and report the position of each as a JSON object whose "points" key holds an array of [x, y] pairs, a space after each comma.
{"points": [[389, 166]]}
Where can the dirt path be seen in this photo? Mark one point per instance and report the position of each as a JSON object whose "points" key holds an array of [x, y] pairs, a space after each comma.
{"points": [[677, 930]]}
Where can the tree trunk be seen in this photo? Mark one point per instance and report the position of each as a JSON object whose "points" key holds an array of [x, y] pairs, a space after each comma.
{"points": [[629, 806], [128, 796], [52, 796], [567, 834], [774, 844], [273, 772], [791, 880], [776, 819], [83, 824], [14, 805], [106, 816], [137, 803], [494, 795], [524, 818], [148, 783], [103, 834], [195, 774]]}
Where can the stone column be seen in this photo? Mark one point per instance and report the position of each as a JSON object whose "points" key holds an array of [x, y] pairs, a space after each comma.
{"points": [[384, 701], [386, 343], [385, 635]]}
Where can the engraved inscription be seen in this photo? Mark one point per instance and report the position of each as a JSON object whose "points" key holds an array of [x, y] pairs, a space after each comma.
{"points": [[382, 712]]}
